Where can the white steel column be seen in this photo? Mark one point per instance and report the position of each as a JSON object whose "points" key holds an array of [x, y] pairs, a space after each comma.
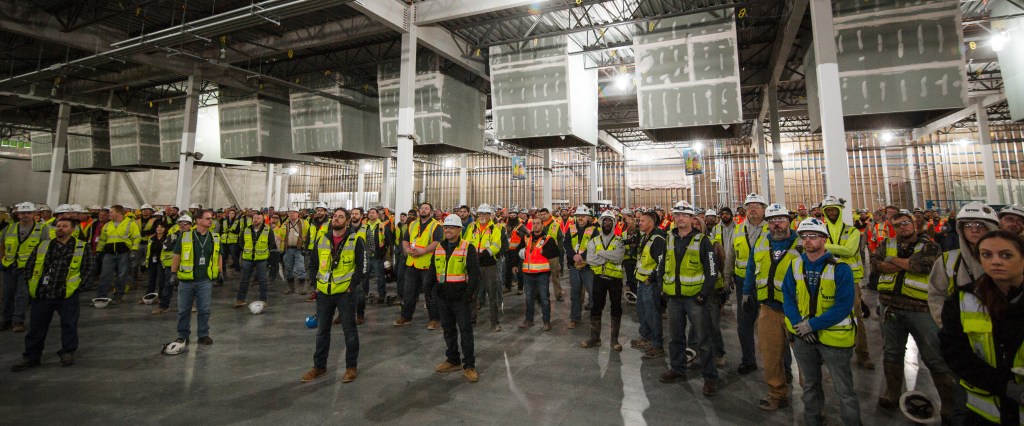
{"points": [[884, 153], [626, 198], [988, 161], [837, 165], [546, 184], [464, 180], [270, 186], [912, 180], [406, 122], [360, 200], [386, 185], [762, 159], [188, 140], [594, 176], [60, 148], [277, 193], [779, 175]]}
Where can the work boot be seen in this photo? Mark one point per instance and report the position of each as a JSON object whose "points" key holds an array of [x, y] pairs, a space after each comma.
{"points": [[616, 346], [771, 403], [471, 375], [433, 325], [571, 325], [239, 303], [865, 362], [313, 374], [447, 367], [546, 327], [893, 385], [945, 384], [401, 321], [291, 287], [350, 375], [640, 343], [525, 325], [595, 334], [672, 376], [302, 287], [19, 327]]}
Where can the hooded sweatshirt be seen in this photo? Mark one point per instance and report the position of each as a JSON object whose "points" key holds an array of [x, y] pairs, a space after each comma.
{"points": [[845, 293], [968, 271], [848, 253]]}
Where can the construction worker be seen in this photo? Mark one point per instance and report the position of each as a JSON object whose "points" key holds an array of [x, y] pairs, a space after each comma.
{"points": [[340, 255], [630, 238], [745, 237], [513, 227], [485, 236], [604, 253], [650, 257], [1011, 218], [905, 263], [316, 227], [458, 272], [552, 230], [538, 250], [45, 215], [801, 214], [274, 262], [119, 238], [197, 262], [689, 281], [257, 241], [818, 299], [230, 229], [716, 303], [166, 258], [948, 237], [377, 238], [844, 244], [766, 268], [424, 234], [295, 242], [581, 277], [58, 267], [20, 241]]}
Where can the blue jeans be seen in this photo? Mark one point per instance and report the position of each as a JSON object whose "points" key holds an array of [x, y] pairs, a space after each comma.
{"points": [[232, 252], [15, 294], [326, 304], [112, 263], [648, 310], [260, 267], [201, 291], [456, 323], [399, 267], [417, 280], [166, 289], [42, 314], [682, 309], [898, 324], [745, 325], [294, 264], [810, 358], [536, 286], [579, 279]]}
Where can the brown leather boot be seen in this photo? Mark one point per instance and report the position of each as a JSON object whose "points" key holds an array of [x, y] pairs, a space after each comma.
{"points": [[313, 374], [616, 346], [595, 334], [893, 385]]}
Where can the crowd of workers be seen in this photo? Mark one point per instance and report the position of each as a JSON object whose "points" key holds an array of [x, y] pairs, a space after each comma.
{"points": [[952, 283]]}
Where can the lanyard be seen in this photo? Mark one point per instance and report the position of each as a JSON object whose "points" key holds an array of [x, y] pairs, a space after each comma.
{"points": [[201, 242]]}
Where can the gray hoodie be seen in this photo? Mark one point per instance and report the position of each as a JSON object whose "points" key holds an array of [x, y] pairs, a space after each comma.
{"points": [[938, 281]]}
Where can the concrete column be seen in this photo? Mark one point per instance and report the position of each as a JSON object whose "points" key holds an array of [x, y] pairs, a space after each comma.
{"points": [[464, 180], [60, 149], [779, 175], [988, 162], [360, 200], [269, 196], [837, 166], [913, 181], [386, 185], [546, 185], [423, 194], [278, 196], [885, 176], [762, 160], [406, 123], [286, 181], [626, 199], [188, 140], [595, 176]]}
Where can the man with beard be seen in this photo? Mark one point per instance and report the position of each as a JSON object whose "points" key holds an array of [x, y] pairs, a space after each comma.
{"points": [[485, 236], [20, 240], [377, 236], [419, 244], [170, 216], [745, 238], [538, 250], [630, 239], [552, 230], [120, 236], [650, 255], [230, 228], [455, 261], [466, 217], [317, 226], [1011, 218], [604, 259], [575, 243], [257, 243], [844, 244]]}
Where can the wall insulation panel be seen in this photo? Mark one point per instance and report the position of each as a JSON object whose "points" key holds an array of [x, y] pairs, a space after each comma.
{"points": [[135, 141], [326, 128], [255, 128], [89, 147], [542, 95], [901, 63], [687, 77]]}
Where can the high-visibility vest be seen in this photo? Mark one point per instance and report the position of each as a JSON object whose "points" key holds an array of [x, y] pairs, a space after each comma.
{"points": [[165, 255], [451, 270], [74, 277], [514, 239], [977, 325], [952, 261], [303, 232], [741, 247], [281, 234], [186, 269], [149, 228], [840, 335], [315, 232], [855, 262], [486, 238], [910, 284], [126, 232], [420, 238], [21, 250], [608, 269], [258, 250], [334, 274], [768, 274], [630, 254], [665, 223], [647, 266], [535, 262], [229, 230], [374, 229], [684, 277], [580, 241]]}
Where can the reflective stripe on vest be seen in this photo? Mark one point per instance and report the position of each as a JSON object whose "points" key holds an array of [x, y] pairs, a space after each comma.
{"points": [[647, 265], [741, 247], [73, 279], [15, 249], [769, 274], [334, 275], [977, 325], [186, 269], [535, 262], [690, 278], [262, 245], [855, 261], [451, 270], [608, 269], [841, 335], [906, 283], [420, 238]]}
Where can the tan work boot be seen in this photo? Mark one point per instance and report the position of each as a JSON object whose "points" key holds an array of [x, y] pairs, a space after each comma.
{"points": [[571, 325], [239, 303], [447, 367], [350, 375], [471, 375], [401, 321], [893, 385], [432, 325], [313, 374]]}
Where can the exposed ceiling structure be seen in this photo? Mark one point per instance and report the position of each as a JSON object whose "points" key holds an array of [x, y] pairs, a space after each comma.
{"points": [[107, 56]]}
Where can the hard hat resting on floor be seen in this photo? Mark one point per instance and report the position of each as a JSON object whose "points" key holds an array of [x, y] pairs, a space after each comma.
{"points": [[257, 307], [452, 220], [918, 407], [101, 302], [812, 224], [150, 298], [174, 348], [683, 207], [484, 208], [311, 321], [1014, 209], [978, 211], [775, 210], [754, 198]]}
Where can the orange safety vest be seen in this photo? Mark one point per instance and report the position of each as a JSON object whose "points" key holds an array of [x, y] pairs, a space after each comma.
{"points": [[535, 262], [445, 272], [514, 239], [665, 223]]}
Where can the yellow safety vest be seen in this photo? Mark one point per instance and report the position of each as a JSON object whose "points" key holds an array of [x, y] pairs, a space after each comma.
{"points": [[579, 243], [952, 260], [910, 284], [840, 335], [126, 232], [262, 249], [315, 232], [15, 249], [165, 255], [769, 275], [486, 238], [451, 270], [689, 278], [73, 279], [608, 270], [186, 268], [741, 247], [647, 265], [334, 274], [855, 261], [420, 239], [229, 231], [977, 325]]}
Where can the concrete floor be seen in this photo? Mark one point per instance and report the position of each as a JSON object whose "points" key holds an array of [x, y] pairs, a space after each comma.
{"points": [[251, 374]]}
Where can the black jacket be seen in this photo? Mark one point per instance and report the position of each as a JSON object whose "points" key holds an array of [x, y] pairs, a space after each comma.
{"points": [[458, 292]]}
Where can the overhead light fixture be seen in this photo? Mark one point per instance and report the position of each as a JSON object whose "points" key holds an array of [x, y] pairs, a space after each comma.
{"points": [[622, 82], [698, 146], [887, 137], [293, 170], [787, 151], [963, 142], [367, 167], [998, 40], [449, 163]]}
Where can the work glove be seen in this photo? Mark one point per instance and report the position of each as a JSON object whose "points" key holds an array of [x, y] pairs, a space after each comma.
{"points": [[701, 299], [749, 304], [173, 280], [803, 327], [811, 338]]}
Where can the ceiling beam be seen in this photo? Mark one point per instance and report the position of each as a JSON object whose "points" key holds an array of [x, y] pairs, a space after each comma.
{"points": [[607, 139], [955, 116], [435, 11], [781, 49]]}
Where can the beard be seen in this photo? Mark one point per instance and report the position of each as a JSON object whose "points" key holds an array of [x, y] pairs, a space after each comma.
{"points": [[335, 227], [778, 234], [606, 228], [424, 216]]}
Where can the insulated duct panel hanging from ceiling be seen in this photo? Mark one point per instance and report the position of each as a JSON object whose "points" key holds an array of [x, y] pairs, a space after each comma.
{"points": [[135, 142], [255, 128], [327, 128]]}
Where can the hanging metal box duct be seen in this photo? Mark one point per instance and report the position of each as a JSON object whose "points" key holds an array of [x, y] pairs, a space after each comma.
{"points": [[89, 147], [135, 141], [172, 123], [255, 127], [324, 127], [687, 77], [449, 115], [901, 63], [1011, 62], [42, 151], [542, 95]]}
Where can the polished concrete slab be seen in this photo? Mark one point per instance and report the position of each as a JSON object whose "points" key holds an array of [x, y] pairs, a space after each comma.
{"points": [[251, 375]]}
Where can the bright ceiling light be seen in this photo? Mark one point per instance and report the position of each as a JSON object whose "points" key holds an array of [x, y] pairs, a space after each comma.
{"points": [[698, 146], [998, 40], [367, 167], [622, 82], [787, 151], [449, 163], [293, 170], [887, 137], [963, 142]]}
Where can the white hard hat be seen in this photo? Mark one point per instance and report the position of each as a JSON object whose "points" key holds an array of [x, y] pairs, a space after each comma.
{"points": [[127, 206], [257, 307], [101, 302], [43, 208], [775, 210], [452, 220], [608, 214], [185, 218], [193, 206], [710, 212], [146, 206], [174, 348], [95, 207], [684, 208], [77, 208], [831, 200], [978, 211], [918, 407], [583, 210], [484, 208], [292, 208], [26, 207], [107, 208], [754, 198], [321, 205], [63, 208], [627, 211], [1014, 209], [812, 224], [150, 298]]}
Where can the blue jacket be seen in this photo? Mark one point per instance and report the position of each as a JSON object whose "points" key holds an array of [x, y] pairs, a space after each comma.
{"points": [[845, 293], [750, 281]]}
